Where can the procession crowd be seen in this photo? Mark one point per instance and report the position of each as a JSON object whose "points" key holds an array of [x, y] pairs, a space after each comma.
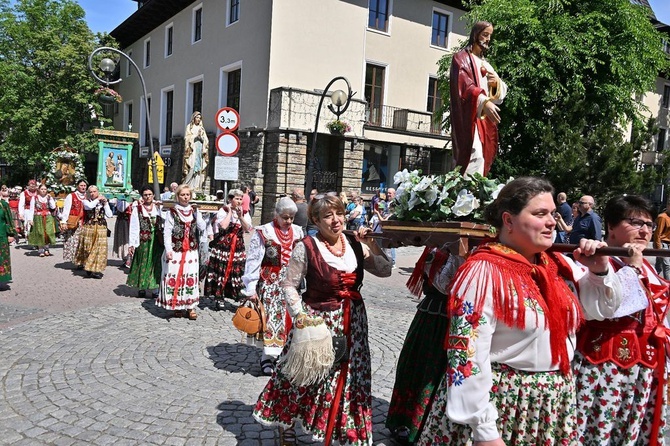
{"points": [[515, 344]]}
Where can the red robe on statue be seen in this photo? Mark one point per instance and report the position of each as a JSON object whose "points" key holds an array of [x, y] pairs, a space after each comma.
{"points": [[465, 90]]}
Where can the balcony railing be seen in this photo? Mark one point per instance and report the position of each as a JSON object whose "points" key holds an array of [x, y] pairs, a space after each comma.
{"points": [[404, 119]]}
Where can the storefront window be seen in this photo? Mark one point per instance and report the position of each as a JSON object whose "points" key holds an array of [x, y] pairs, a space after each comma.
{"points": [[375, 169]]}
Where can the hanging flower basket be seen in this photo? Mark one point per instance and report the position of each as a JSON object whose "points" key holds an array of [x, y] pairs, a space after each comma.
{"points": [[338, 127], [106, 95]]}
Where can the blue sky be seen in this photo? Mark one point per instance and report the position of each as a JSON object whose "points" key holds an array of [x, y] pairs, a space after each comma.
{"points": [[105, 15]]}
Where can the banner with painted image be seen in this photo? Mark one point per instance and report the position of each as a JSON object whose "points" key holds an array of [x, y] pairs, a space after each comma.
{"points": [[114, 163]]}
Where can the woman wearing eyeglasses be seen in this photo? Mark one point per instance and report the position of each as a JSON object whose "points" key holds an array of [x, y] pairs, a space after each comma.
{"points": [[620, 364], [335, 404], [146, 244]]}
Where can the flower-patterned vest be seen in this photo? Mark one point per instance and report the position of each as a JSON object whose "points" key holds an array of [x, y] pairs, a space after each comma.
{"points": [[95, 216], [179, 230]]}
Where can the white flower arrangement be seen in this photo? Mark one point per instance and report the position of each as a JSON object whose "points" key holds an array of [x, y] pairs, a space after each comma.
{"points": [[447, 197]]}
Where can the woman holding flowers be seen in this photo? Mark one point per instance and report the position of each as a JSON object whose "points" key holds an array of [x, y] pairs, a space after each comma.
{"points": [[146, 244], [184, 226], [43, 228], [513, 318]]}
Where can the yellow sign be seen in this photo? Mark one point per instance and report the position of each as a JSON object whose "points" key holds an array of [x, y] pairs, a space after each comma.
{"points": [[160, 169]]}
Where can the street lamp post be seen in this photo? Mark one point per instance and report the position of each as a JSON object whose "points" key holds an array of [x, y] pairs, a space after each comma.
{"points": [[108, 66], [339, 99]]}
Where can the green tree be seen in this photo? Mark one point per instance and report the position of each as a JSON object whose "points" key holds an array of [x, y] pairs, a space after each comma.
{"points": [[47, 92], [574, 69]]}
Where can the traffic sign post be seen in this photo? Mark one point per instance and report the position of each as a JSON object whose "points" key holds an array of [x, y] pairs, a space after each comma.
{"points": [[227, 119], [226, 168], [160, 169], [227, 144]]}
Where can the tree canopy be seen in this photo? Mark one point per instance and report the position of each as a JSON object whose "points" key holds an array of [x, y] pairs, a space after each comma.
{"points": [[575, 70], [47, 91]]}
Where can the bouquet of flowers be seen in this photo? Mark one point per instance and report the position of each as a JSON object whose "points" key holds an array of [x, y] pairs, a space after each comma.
{"points": [[448, 197], [106, 91], [338, 127]]}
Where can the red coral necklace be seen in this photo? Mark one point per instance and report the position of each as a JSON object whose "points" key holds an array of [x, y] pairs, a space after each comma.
{"points": [[284, 239], [334, 251]]}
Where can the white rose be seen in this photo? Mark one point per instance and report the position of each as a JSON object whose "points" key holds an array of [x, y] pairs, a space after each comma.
{"points": [[431, 195], [413, 200], [465, 204], [424, 183]]}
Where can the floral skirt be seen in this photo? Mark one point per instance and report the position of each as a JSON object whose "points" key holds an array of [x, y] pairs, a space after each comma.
{"points": [[272, 297], [616, 405], [5, 261], [224, 272], [145, 271], [179, 283], [92, 249], [420, 367], [533, 409], [43, 231], [71, 243], [283, 404]]}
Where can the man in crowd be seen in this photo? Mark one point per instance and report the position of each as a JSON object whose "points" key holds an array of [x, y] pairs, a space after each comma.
{"points": [[661, 240], [565, 211], [300, 218], [588, 223]]}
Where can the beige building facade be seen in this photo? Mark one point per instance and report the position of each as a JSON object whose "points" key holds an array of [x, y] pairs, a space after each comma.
{"points": [[271, 60]]}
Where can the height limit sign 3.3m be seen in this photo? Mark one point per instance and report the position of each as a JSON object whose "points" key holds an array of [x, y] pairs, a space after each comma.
{"points": [[227, 145]]}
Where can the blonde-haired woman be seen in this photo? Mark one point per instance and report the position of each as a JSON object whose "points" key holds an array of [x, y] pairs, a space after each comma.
{"points": [[92, 248], [179, 289]]}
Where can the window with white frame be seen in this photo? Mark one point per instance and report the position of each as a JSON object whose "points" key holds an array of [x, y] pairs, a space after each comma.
{"points": [[378, 14], [129, 66], [146, 116], [233, 11], [128, 116], [169, 36], [230, 82], [147, 53], [196, 96], [440, 28], [168, 112], [197, 23], [662, 135]]}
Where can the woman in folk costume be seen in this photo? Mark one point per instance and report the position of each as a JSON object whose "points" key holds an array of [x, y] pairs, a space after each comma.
{"points": [[7, 234], [120, 247], [92, 249], [146, 244], [330, 395], [422, 361], [14, 208], [513, 319], [184, 225], [227, 251], [72, 219], [267, 259], [43, 228], [621, 359]]}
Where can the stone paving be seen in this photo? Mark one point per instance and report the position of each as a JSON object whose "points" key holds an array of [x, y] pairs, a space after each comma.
{"points": [[85, 362]]}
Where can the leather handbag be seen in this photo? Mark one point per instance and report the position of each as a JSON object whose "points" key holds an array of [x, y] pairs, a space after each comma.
{"points": [[250, 317], [73, 221]]}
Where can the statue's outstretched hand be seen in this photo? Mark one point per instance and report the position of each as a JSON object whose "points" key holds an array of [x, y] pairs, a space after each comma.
{"points": [[490, 110]]}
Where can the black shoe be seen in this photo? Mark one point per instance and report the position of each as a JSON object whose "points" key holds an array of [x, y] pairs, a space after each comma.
{"points": [[154, 295], [89, 274], [142, 294]]}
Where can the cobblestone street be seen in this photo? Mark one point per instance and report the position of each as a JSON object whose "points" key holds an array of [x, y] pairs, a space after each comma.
{"points": [[85, 362]]}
